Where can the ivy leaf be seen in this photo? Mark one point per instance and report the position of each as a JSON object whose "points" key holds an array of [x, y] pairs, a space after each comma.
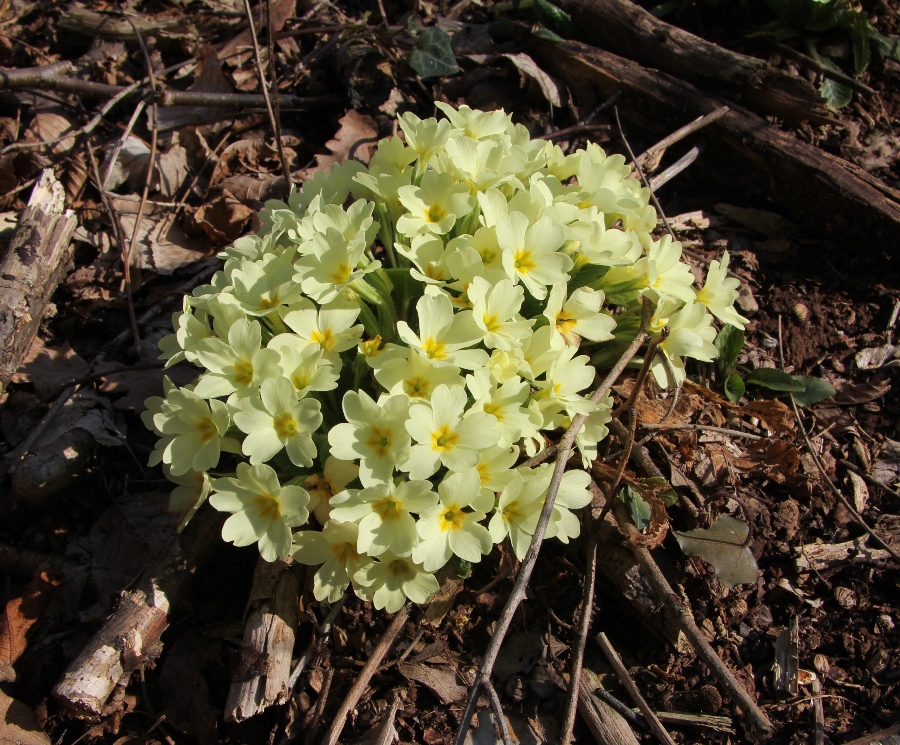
{"points": [[433, 56], [639, 509], [729, 343], [723, 544], [814, 390], [734, 388], [775, 380], [554, 19]]}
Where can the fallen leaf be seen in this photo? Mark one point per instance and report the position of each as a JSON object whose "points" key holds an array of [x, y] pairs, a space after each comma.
{"points": [[886, 468], [161, 244], [130, 166], [239, 49], [51, 126], [874, 357], [441, 680], [129, 389], [185, 694], [724, 545], [433, 56], [545, 84], [519, 653], [7, 674], [248, 155], [850, 394], [19, 724], [774, 414], [171, 170], [224, 218], [355, 140], [22, 613], [47, 368], [759, 221]]}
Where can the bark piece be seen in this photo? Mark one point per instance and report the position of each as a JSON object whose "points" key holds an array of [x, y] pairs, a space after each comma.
{"points": [[833, 197], [625, 28], [131, 636], [265, 668], [817, 557], [33, 266], [605, 723]]}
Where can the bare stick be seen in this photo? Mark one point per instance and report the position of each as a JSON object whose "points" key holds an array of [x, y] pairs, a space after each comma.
{"points": [[685, 620], [701, 428], [261, 74], [521, 583], [315, 722], [323, 630], [679, 134], [606, 723], [682, 164], [584, 624], [365, 675], [498, 712], [874, 737], [48, 78], [655, 725], [821, 466]]}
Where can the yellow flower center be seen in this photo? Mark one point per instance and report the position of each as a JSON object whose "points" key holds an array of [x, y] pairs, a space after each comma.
{"points": [[432, 272], [387, 509], [341, 273], [511, 513], [491, 322], [267, 301], [324, 339], [434, 349], [483, 472], [417, 387], [285, 425], [300, 380], [565, 323], [243, 372], [436, 213], [400, 570], [268, 506], [494, 409], [523, 261], [207, 429], [379, 440], [452, 518], [444, 439], [344, 552]]}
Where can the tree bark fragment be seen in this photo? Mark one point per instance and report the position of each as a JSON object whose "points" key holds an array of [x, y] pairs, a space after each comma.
{"points": [[830, 196], [34, 264]]}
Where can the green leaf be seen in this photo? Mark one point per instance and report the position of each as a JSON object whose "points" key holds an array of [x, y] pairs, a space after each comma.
{"points": [[734, 388], [554, 19], [887, 46], [723, 544], [661, 489], [834, 93], [639, 509], [433, 56], [862, 52], [776, 380], [545, 34], [814, 390], [728, 343]]}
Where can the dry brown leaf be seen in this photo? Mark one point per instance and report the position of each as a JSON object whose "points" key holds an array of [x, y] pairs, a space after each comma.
{"points": [[19, 724], [47, 368], [542, 81], [356, 139], [7, 674], [131, 388], [247, 155], [130, 166], [22, 613], [49, 126], [441, 680], [851, 394], [239, 49], [224, 218], [161, 244], [774, 414], [171, 171]]}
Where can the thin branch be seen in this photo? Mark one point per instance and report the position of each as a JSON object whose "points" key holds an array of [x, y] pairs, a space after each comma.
{"points": [[498, 712], [312, 730], [679, 134], [584, 624], [655, 725], [702, 428], [48, 78], [821, 466], [521, 583], [365, 675], [679, 166], [276, 103], [261, 74], [322, 631]]}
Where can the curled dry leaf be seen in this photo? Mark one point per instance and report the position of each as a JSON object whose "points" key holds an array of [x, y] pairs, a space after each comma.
{"points": [[441, 680], [54, 128], [224, 218], [19, 724], [724, 545], [355, 140], [544, 83], [22, 613], [774, 414]]}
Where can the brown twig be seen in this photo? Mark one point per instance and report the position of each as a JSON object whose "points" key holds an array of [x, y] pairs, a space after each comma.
{"points": [[821, 467], [261, 74], [701, 428], [584, 624], [498, 712], [679, 134], [678, 167], [365, 675], [655, 725], [686, 621], [48, 78], [312, 729], [528, 563]]}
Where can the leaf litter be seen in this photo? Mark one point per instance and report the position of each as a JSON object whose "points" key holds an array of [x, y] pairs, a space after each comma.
{"points": [[220, 166]]}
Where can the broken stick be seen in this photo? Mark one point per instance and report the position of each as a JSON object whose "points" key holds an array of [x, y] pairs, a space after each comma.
{"points": [[265, 666], [33, 266]]}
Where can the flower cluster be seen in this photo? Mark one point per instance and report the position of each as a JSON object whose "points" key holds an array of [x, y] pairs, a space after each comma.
{"points": [[393, 340]]}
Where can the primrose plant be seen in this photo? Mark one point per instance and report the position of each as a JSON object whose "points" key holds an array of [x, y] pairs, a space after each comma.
{"points": [[377, 360]]}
